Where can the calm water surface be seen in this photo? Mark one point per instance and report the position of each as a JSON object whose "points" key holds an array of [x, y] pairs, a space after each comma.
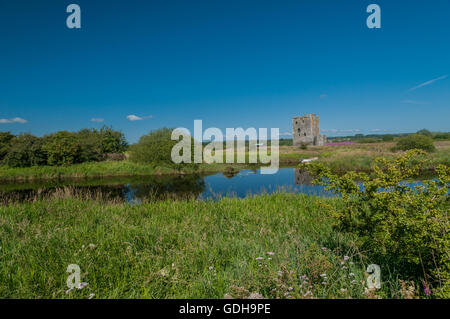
{"points": [[138, 189]]}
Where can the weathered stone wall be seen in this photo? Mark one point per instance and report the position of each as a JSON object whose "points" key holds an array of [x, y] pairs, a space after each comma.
{"points": [[305, 129]]}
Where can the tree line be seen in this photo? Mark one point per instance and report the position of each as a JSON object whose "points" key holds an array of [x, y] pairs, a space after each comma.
{"points": [[61, 148]]}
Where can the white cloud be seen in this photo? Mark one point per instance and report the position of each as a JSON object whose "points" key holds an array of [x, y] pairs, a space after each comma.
{"points": [[98, 120], [133, 117], [378, 130], [428, 83], [285, 134], [13, 120]]}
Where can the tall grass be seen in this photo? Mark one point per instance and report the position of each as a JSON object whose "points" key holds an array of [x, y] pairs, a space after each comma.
{"points": [[279, 246]]}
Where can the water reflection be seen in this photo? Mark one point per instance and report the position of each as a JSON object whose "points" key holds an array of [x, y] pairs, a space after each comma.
{"points": [[139, 189]]}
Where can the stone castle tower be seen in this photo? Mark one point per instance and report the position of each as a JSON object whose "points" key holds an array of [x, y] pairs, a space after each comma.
{"points": [[305, 129]]}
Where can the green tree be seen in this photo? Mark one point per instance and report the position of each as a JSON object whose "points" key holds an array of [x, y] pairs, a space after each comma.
{"points": [[155, 149], [112, 141], [5, 143], [425, 132], [91, 148], [25, 150], [62, 148]]}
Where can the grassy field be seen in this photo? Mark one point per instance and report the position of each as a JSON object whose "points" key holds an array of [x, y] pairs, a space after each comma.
{"points": [[360, 156], [277, 246], [341, 158]]}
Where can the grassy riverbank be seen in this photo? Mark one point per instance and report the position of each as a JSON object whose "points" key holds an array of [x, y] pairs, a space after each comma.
{"points": [[279, 245], [341, 158]]}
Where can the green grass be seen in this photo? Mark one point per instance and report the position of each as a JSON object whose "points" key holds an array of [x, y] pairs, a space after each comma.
{"points": [[181, 249], [101, 169]]}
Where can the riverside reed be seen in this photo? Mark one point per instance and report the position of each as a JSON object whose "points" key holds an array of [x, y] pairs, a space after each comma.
{"points": [[275, 246]]}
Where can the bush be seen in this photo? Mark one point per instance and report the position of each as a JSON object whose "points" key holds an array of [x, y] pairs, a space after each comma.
{"points": [[90, 143], [388, 138], [112, 141], [25, 150], [155, 148], [415, 141], [402, 224], [5, 143], [425, 132], [62, 148]]}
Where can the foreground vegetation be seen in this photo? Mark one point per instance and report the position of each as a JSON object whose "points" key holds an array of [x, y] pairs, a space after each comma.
{"points": [[275, 246], [406, 225]]}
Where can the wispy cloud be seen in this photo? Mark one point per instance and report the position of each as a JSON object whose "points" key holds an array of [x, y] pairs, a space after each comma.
{"points": [[377, 130], [13, 120], [428, 83], [333, 130], [414, 102], [322, 96], [133, 117], [98, 120], [285, 134]]}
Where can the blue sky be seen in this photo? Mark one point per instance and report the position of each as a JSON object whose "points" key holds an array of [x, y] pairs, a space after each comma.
{"points": [[230, 63]]}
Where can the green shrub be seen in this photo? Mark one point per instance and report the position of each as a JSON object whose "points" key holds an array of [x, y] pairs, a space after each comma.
{"points": [[155, 149], [91, 149], [303, 146], [415, 141], [405, 225], [62, 148], [425, 132], [388, 138], [25, 150], [112, 141], [5, 144]]}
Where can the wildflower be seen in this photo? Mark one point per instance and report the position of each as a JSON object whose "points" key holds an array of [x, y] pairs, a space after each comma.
{"points": [[259, 258], [269, 258], [353, 282], [351, 274], [91, 296], [323, 275], [290, 288], [324, 248], [427, 291], [69, 290], [92, 246], [82, 285], [343, 290], [346, 258], [211, 267], [270, 253], [255, 295]]}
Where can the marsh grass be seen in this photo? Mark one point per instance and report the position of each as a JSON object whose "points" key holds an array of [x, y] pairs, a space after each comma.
{"points": [[279, 246]]}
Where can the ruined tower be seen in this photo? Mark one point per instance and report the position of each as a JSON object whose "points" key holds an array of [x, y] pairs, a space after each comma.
{"points": [[305, 129]]}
